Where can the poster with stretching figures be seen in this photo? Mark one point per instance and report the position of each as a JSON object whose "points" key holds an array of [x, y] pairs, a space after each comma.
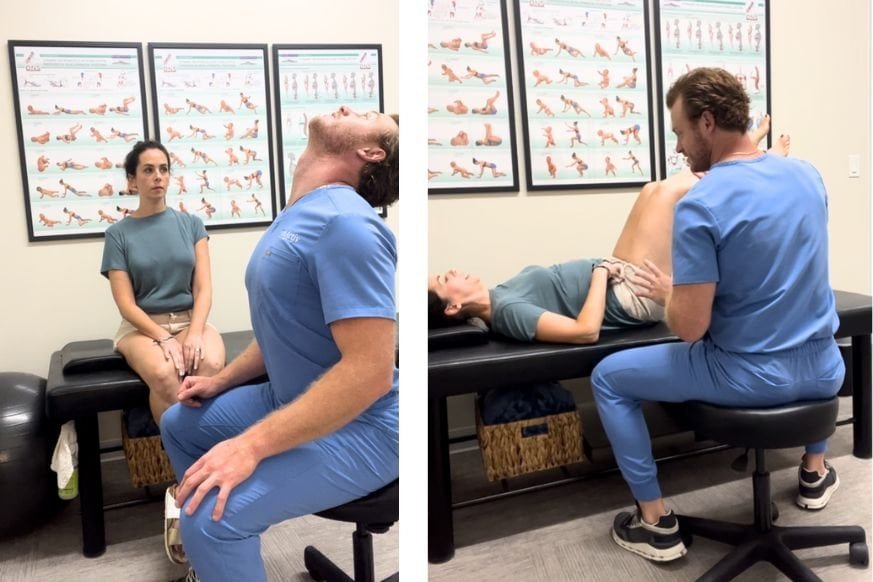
{"points": [[79, 108], [212, 112], [312, 80], [585, 93], [712, 33], [471, 123]]}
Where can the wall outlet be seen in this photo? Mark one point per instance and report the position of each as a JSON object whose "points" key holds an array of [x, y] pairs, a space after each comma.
{"points": [[854, 166]]}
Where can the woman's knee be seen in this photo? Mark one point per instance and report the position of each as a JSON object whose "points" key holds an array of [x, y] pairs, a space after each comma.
{"points": [[162, 378], [210, 365]]}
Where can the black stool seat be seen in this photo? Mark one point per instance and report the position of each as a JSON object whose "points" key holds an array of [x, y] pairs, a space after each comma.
{"points": [[380, 506], [374, 513], [789, 425]]}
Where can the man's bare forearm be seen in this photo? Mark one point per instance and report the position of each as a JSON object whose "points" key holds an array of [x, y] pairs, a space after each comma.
{"points": [[333, 401], [246, 366]]}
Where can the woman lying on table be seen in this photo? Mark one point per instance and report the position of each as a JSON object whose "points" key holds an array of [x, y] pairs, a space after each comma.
{"points": [[571, 302]]}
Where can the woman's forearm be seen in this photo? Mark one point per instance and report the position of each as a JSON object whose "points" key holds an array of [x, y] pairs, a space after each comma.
{"points": [[202, 306], [141, 320], [590, 317]]}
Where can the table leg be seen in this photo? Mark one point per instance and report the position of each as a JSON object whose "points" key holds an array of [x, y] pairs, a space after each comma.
{"points": [[440, 528], [861, 397], [90, 486]]}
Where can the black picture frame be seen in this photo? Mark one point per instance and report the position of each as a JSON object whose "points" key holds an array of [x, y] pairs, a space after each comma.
{"points": [[582, 33], [459, 114], [691, 31], [298, 98], [93, 86], [224, 90]]}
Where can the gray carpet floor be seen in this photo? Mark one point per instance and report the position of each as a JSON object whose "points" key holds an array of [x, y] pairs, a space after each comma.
{"points": [[135, 550], [562, 533]]}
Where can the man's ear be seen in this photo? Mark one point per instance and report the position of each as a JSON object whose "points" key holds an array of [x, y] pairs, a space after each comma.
{"points": [[371, 155], [708, 120]]}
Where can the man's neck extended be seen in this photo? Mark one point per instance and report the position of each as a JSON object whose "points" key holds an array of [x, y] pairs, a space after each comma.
{"points": [[315, 171]]}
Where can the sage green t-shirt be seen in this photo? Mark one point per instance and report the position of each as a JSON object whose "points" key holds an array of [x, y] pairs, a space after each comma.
{"points": [[517, 304], [157, 252]]}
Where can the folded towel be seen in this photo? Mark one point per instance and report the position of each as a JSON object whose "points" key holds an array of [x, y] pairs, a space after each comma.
{"points": [[65, 459]]}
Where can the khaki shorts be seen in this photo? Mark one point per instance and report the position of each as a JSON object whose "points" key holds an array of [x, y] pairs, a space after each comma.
{"points": [[640, 308], [173, 323]]}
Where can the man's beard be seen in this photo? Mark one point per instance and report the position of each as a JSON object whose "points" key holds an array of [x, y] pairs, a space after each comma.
{"points": [[329, 140]]}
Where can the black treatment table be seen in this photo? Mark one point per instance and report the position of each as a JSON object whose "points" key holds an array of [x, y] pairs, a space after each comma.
{"points": [[502, 362], [90, 377]]}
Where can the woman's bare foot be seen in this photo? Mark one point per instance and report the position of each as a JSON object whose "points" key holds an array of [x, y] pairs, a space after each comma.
{"points": [[781, 146], [760, 132]]}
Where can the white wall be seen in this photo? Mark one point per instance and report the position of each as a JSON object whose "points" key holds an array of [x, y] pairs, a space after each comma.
{"points": [[52, 292], [820, 74]]}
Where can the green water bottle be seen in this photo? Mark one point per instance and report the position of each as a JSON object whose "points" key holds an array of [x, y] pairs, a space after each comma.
{"points": [[71, 489]]}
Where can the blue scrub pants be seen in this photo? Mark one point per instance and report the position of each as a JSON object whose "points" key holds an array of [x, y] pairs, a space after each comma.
{"points": [[701, 371], [350, 463]]}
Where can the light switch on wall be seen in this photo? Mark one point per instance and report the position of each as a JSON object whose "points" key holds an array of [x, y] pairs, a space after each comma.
{"points": [[854, 166]]}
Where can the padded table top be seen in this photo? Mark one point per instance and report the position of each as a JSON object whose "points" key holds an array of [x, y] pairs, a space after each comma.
{"points": [[504, 362], [69, 395]]}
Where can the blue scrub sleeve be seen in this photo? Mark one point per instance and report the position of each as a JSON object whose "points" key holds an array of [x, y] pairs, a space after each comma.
{"points": [[355, 263], [695, 244]]}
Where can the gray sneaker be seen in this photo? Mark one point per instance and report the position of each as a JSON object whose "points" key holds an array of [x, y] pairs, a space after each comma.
{"points": [[814, 490], [660, 542]]}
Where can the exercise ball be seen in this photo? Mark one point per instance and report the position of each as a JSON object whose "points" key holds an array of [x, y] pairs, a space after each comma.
{"points": [[28, 487]]}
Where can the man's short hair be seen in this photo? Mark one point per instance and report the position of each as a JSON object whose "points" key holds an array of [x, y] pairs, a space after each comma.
{"points": [[380, 182], [714, 90]]}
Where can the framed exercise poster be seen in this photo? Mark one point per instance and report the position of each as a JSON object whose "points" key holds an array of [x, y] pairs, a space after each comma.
{"points": [[586, 98], [212, 112], [471, 123], [312, 80], [79, 108], [712, 33]]}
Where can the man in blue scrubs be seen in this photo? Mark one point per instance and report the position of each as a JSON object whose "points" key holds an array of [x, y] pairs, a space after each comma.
{"points": [[324, 429], [749, 296]]}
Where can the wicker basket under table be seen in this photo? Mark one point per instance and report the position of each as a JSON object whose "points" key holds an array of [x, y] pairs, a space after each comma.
{"points": [[146, 460], [525, 446]]}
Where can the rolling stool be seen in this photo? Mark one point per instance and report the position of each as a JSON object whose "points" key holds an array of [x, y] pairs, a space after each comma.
{"points": [[790, 425], [375, 513]]}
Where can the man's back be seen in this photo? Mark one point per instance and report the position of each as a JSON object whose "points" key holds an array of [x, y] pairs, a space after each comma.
{"points": [[758, 229], [648, 231]]}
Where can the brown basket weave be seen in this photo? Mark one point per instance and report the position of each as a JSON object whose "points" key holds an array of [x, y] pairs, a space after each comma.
{"points": [[146, 460], [507, 452]]}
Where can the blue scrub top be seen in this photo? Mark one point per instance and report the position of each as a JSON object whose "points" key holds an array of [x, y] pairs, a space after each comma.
{"points": [[758, 228], [327, 257]]}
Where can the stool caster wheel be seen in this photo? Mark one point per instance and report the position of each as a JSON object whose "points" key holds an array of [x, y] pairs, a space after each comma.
{"points": [[309, 561], [858, 554], [774, 511]]}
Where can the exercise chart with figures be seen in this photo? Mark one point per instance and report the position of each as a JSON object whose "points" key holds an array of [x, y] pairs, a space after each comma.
{"points": [[79, 109], [585, 92], [212, 112], [732, 35], [312, 80], [471, 129]]}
